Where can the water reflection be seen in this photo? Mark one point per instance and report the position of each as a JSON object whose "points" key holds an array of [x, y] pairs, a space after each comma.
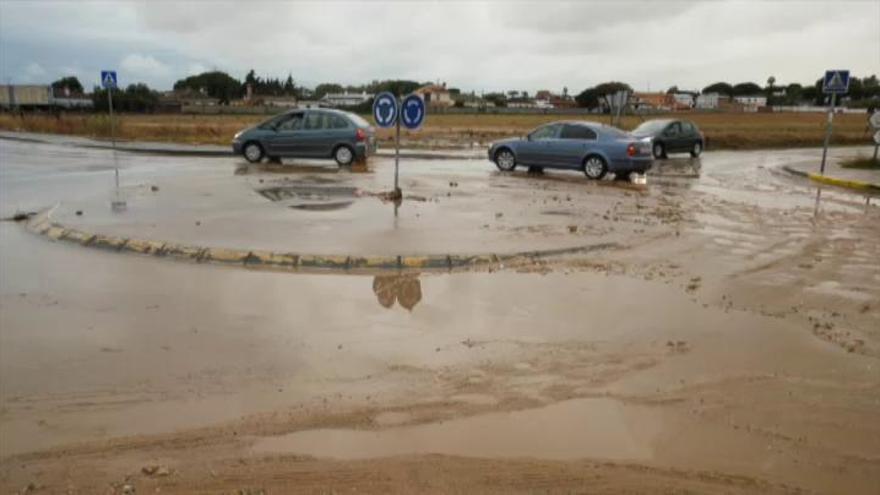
{"points": [[405, 288]]}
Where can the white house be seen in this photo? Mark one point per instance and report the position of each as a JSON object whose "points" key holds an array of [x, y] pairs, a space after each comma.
{"points": [[684, 99], [751, 101], [345, 99], [707, 101]]}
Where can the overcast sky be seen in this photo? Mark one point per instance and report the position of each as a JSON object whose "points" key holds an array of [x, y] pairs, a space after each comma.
{"points": [[479, 46]]}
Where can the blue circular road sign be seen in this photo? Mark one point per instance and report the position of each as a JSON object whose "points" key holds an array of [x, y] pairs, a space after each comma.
{"points": [[412, 111], [385, 109]]}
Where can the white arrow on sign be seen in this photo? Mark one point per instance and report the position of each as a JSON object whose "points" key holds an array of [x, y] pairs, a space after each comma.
{"points": [[874, 120]]}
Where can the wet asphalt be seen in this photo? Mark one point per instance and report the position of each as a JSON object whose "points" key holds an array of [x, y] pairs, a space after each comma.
{"points": [[99, 345]]}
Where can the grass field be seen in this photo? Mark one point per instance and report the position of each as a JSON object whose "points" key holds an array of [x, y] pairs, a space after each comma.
{"points": [[722, 130]]}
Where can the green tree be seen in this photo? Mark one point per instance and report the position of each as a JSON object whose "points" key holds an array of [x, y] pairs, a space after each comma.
{"points": [[595, 97], [721, 88], [215, 84], [397, 87], [326, 88], [137, 98], [746, 89], [69, 82], [498, 99]]}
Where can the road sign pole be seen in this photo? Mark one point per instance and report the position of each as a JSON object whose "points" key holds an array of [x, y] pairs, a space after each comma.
{"points": [[113, 133], [828, 131], [397, 154]]}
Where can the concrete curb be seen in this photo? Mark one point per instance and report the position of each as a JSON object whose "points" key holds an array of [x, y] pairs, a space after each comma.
{"points": [[217, 153], [43, 225], [834, 181]]}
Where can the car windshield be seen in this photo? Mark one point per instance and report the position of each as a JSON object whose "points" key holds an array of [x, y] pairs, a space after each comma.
{"points": [[651, 127]]}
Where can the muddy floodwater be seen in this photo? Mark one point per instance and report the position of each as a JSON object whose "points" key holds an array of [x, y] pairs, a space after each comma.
{"points": [[721, 336]]}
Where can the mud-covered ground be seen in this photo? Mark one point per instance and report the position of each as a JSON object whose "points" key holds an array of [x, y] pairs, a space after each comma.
{"points": [[725, 340]]}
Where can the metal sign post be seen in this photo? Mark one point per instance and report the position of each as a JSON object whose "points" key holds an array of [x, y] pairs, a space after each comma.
{"points": [[385, 113], [108, 81], [397, 193], [829, 127], [835, 82]]}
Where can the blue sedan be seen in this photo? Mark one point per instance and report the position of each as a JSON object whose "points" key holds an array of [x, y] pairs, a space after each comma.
{"points": [[593, 148]]}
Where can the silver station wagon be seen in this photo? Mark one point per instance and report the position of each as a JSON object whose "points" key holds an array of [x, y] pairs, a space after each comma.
{"points": [[590, 147], [309, 133]]}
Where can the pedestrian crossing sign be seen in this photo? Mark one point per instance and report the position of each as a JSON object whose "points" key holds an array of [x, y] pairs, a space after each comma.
{"points": [[836, 82]]}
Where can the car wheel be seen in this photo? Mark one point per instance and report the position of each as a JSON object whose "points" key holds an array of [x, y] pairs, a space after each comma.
{"points": [[505, 160], [595, 167], [253, 152], [697, 149], [343, 155], [659, 151]]}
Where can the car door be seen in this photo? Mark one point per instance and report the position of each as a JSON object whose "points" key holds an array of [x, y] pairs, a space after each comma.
{"points": [[672, 136], [535, 149], [690, 136], [288, 138], [572, 145], [319, 134]]}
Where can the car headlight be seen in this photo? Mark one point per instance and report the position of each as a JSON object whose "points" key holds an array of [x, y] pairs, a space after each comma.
{"points": [[237, 135]]}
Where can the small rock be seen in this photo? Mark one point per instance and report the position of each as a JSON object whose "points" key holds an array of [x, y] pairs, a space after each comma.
{"points": [[150, 469], [198, 223], [154, 188], [127, 489], [572, 228], [79, 213]]}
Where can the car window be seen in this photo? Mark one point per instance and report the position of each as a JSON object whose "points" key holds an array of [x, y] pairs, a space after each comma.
{"points": [[650, 127], [336, 122], [314, 121], [687, 128], [358, 121], [546, 132], [577, 132], [290, 122], [673, 129]]}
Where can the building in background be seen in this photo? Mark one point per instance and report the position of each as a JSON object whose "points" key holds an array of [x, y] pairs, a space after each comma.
{"points": [[436, 95], [751, 103], [708, 101], [36, 96], [345, 99]]}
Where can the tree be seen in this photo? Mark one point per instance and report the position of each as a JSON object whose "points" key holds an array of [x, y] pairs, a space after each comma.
{"points": [[135, 98], [770, 82], [498, 99], [746, 89], [595, 97], [721, 88], [672, 90], [397, 87], [70, 82], [215, 84], [326, 88]]}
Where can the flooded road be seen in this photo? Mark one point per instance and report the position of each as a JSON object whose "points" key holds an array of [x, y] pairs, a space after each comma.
{"points": [[730, 344]]}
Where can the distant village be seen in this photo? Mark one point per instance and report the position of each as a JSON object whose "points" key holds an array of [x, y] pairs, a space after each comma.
{"points": [[217, 92]]}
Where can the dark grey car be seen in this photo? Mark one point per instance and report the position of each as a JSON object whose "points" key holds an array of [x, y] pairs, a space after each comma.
{"points": [[671, 136], [590, 147], [309, 133]]}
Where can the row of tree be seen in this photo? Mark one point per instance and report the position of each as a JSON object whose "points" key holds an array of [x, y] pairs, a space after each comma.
{"points": [[220, 85]]}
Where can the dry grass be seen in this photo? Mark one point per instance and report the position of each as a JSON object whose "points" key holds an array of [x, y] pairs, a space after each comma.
{"points": [[722, 130]]}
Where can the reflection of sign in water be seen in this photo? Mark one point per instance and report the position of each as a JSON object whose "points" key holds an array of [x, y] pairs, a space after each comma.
{"points": [[405, 288]]}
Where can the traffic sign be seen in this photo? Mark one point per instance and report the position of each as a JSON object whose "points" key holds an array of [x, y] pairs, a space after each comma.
{"points": [[877, 137], [836, 82], [108, 79], [385, 109], [874, 119], [413, 111]]}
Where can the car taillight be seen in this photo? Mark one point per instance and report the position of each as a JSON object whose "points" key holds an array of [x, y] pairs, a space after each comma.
{"points": [[360, 135], [631, 150]]}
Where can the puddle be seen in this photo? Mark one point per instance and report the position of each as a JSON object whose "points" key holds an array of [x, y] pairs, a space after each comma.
{"points": [[594, 428], [314, 192], [329, 206]]}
